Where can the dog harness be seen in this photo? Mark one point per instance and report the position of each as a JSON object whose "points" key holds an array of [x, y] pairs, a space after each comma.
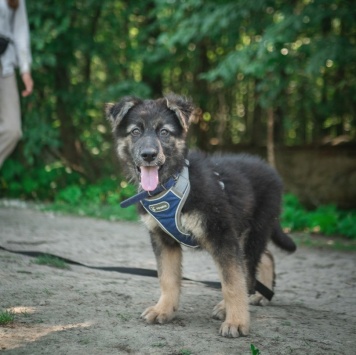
{"points": [[165, 205]]}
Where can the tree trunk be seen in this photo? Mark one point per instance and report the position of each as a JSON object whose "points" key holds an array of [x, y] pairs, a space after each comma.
{"points": [[71, 149], [258, 137], [270, 137]]}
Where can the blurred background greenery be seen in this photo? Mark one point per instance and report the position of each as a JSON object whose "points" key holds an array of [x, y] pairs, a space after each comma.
{"points": [[240, 61]]}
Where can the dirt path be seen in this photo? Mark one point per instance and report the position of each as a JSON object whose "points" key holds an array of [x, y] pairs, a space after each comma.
{"points": [[84, 311]]}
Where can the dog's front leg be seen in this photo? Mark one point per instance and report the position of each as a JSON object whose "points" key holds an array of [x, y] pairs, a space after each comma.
{"points": [[169, 265], [235, 303]]}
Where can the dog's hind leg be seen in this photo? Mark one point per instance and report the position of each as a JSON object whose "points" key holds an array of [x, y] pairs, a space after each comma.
{"points": [[254, 247], [266, 275], [235, 304], [169, 265]]}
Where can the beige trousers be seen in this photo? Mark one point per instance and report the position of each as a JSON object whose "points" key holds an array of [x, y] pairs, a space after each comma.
{"points": [[10, 116]]}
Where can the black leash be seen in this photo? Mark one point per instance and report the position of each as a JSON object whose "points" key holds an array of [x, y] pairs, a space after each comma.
{"points": [[262, 289]]}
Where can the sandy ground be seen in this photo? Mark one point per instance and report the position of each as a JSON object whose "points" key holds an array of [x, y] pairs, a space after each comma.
{"points": [[85, 311]]}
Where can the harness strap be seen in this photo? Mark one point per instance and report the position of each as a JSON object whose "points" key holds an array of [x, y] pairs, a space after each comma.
{"points": [[166, 209], [144, 194], [262, 289], [179, 182]]}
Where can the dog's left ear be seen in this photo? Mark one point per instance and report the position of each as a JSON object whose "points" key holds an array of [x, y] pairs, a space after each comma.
{"points": [[182, 107]]}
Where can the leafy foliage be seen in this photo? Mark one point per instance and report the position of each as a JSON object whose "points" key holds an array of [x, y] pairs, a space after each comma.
{"points": [[101, 200], [41, 182], [245, 56], [237, 60], [67, 191], [326, 220]]}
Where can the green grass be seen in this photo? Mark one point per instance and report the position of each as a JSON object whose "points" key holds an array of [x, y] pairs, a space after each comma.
{"points": [[185, 352], [325, 242], [254, 350], [123, 317], [50, 260], [96, 210], [159, 345], [6, 317]]}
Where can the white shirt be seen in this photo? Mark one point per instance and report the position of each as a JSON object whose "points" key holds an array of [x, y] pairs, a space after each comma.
{"points": [[14, 25]]}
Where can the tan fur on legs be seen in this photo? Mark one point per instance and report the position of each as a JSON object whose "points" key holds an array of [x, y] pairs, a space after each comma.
{"points": [[266, 275], [170, 275], [234, 289]]}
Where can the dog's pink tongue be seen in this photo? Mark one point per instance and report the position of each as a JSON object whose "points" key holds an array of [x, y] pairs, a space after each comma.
{"points": [[149, 177]]}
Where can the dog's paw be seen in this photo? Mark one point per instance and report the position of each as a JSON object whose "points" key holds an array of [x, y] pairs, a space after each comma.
{"points": [[219, 311], [258, 300], [156, 314], [232, 330]]}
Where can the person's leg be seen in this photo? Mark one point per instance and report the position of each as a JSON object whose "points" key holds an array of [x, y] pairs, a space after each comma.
{"points": [[10, 116]]}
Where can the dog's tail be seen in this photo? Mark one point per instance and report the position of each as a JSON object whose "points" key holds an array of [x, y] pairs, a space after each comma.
{"points": [[283, 240]]}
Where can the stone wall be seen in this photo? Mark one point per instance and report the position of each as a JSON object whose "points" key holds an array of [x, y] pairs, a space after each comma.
{"points": [[317, 175], [320, 175]]}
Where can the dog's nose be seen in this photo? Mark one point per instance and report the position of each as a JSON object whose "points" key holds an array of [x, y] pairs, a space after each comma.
{"points": [[149, 154]]}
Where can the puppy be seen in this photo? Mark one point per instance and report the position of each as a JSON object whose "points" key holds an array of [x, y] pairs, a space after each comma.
{"points": [[228, 205]]}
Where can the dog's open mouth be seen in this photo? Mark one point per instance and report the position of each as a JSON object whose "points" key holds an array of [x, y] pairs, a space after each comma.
{"points": [[149, 177]]}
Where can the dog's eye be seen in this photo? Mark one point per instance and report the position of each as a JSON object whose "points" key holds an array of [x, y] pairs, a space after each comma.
{"points": [[135, 132], [164, 132]]}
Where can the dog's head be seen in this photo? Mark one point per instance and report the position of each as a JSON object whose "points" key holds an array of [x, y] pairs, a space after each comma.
{"points": [[150, 137]]}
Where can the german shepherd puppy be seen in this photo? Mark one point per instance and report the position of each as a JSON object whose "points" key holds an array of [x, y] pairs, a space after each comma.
{"points": [[231, 212]]}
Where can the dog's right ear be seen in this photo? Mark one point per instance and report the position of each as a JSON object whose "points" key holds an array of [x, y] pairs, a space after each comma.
{"points": [[116, 112], [182, 107]]}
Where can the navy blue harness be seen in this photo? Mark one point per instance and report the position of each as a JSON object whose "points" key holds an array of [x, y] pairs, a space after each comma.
{"points": [[165, 206]]}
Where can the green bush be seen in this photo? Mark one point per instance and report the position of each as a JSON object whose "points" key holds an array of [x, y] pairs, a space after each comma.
{"points": [[71, 195], [39, 181], [101, 200], [326, 219], [66, 191]]}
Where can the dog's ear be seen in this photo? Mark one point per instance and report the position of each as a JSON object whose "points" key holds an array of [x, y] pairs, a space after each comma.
{"points": [[182, 107], [116, 112]]}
